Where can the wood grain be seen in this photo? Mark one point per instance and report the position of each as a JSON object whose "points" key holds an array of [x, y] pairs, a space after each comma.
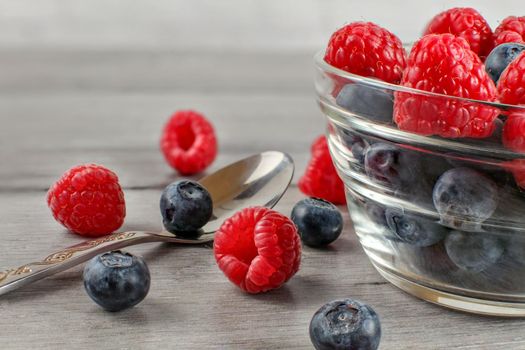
{"points": [[71, 116]]}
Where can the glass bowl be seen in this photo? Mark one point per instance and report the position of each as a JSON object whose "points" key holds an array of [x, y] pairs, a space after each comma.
{"points": [[441, 218]]}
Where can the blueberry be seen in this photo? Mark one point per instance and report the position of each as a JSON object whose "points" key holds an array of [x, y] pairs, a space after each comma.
{"points": [[319, 222], [434, 166], [116, 280], [392, 166], [432, 261], [186, 206], [500, 57], [509, 212], [358, 150], [473, 251], [464, 198], [345, 324], [375, 212], [370, 102], [355, 143], [515, 248], [414, 229]]}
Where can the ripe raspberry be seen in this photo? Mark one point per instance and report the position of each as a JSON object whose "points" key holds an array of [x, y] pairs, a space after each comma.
{"points": [[366, 49], [319, 145], [258, 249], [510, 30], [88, 200], [514, 132], [444, 64], [512, 81], [465, 23], [188, 142], [320, 178]]}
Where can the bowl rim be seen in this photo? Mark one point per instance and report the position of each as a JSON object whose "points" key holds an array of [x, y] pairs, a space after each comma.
{"points": [[497, 153], [323, 65]]}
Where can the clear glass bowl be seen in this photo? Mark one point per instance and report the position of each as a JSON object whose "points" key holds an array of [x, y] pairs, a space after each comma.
{"points": [[441, 218]]}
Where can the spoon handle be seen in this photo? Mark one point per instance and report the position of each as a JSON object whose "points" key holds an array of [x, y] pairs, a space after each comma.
{"points": [[15, 278]]}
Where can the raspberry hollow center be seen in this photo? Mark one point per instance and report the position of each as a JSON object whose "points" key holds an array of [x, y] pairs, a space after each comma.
{"points": [[245, 250], [185, 136]]}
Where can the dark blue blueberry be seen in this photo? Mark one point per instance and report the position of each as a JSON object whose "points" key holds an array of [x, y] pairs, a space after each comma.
{"points": [[414, 229], [355, 143], [366, 101], [515, 247], [375, 212], [395, 167], [349, 137], [319, 222], [186, 206], [432, 261], [434, 165], [464, 198], [500, 57], [345, 324], [359, 150], [116, 280], [509, 212], [473, 251]]}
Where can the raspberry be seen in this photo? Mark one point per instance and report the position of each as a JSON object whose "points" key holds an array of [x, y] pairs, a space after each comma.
{"points": [[258, 249], [444, 64], [188, 142], [509, 36], [465, 23], [88, 200], [319, 145], [320, 178], [514, 132], [510, 30], [366, 49], [512, 81]]}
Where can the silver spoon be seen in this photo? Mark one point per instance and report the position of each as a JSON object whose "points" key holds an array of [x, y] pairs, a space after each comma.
{"points": [[259, 180]]}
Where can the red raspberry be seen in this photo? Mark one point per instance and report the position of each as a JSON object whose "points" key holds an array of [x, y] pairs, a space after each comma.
{"points": [[508, 36], [366, 49], [465, 23], [512, 82], [444, 64], [319, 145], [258, 249], [510, 30], [88, 200], [188, 142], [514, 132], [320, 178]]}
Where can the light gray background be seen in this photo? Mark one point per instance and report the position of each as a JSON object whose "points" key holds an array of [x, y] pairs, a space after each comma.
{"points": [[215, 25]]}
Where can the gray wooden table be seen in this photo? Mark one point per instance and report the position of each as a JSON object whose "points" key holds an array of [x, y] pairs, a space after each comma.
{"points": [[59, 109]]}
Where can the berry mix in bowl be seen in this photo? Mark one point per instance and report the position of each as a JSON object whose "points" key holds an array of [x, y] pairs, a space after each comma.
{"points": [[430, 145]]}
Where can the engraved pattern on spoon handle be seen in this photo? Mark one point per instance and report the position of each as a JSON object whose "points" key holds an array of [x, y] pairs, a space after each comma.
{"points": [[15, 278]]}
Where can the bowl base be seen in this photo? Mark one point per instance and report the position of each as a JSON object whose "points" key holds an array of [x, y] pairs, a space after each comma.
{"points": [[453, 301]]}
